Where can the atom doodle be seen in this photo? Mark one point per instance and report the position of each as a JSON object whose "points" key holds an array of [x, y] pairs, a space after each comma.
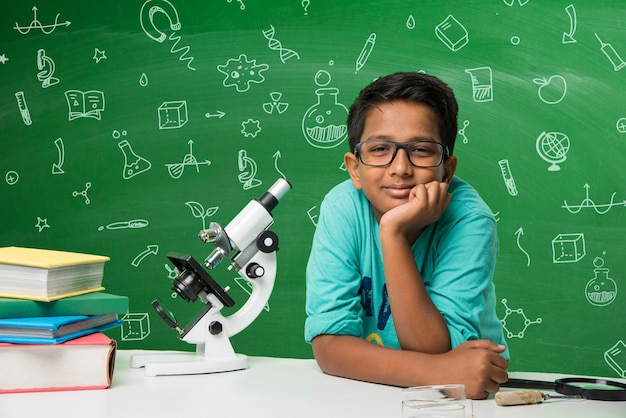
{"points": [[527, 322], [241, 72]]}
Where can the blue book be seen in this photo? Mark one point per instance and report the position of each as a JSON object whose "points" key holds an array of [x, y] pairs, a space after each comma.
{"points": [[54, 329]]}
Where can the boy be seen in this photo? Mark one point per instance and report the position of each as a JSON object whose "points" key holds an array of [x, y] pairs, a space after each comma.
{"points": [[399, 279]]}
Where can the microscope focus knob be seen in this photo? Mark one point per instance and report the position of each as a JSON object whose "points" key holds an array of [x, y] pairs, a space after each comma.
{"points": [[255, 270], [267, 242]]}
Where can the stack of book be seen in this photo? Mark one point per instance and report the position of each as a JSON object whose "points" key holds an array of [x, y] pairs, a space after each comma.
{"points": [[53, 310]]}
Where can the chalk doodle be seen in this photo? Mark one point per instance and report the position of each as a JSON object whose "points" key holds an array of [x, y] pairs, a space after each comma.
{"points": [[525, 322], [247, 171], [366, 51], [601, 290], [277, 155], [133, 224], [242, 6], [482, 84], [99, 55], [36, 24], [57, 168], [553, 147], [519, 233], [23, 107], [240, 73], [507, 176], [568, 37], [85, 104], [275, 45], [46, 68], [198, 211], [147, 20], [176, 169], [610, 52], [462, 131], [11, 177], [42, 223], [150, 250], [275, 104], [587, 203], [250, 128], [83, 193]]}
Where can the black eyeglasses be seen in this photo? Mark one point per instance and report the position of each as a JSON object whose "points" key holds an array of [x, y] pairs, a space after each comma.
{"points": [[379, 153]]}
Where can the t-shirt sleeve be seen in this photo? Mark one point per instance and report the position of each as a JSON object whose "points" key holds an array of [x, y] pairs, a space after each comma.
{"points": [[333, 304]]}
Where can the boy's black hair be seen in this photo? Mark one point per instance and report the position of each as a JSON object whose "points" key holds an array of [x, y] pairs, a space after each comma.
{"points": [[411, 87]]}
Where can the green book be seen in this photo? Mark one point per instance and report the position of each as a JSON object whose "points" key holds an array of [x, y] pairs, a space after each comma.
{"points": [[94, 303]]}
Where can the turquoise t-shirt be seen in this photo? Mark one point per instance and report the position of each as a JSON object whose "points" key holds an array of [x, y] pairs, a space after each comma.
{"points": [[346, 292]]}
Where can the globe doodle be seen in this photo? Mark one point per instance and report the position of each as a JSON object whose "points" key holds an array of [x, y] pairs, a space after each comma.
{"points": [[552, 147]]}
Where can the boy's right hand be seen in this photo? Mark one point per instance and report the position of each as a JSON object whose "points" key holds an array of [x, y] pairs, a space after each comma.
{"points": [[478, 365]]}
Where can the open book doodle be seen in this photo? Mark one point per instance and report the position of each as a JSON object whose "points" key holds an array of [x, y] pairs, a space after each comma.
{"points": [[85, 104]]}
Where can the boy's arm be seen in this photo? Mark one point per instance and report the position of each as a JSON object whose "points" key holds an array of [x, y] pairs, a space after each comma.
{"points": [[476, 364], [418, 323]]}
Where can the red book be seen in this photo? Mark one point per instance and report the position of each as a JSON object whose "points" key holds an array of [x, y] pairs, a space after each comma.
{"points": [[82, 363]]}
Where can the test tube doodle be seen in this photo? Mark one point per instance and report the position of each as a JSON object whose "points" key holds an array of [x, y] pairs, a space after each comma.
{"points": [[21, 104], [509, 181]]}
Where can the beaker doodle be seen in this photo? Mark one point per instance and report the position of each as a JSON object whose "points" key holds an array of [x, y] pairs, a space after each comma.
{"points": [[323, 124], [601, 290], [482, 84], [133, 163]]}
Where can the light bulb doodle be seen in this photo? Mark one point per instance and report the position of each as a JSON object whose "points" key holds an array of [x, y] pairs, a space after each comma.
{"points": [[587, 203], [147, 20]]}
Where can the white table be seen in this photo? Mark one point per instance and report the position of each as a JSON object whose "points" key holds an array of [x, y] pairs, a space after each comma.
{"points": [[270, 387]]}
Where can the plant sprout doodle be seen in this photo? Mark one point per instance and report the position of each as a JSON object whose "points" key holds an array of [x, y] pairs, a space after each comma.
{"points": [[198, 211]]}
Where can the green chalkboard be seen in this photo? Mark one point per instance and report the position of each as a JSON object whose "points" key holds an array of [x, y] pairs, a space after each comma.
{"points": [[128, 126]]}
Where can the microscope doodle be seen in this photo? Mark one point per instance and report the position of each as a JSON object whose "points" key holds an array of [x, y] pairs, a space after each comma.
{"points": [[36, 24], [57, 168], [176, 169], [198, 211], [83, 193], [601, 290], [323, 124], [85, 104], [568, 37], [508, 320], [587, 203], [42, 223], [275, 45], [251, 247], [240, 73], [452, 33], [247, 171], [23, 107], [147, 20], [99, 55], [150, 250], [553, 147], [46, 68], [518, 234], [482, 84]]}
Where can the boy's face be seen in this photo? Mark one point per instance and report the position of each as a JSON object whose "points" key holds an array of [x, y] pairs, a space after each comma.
{"points": [[389, 186]]}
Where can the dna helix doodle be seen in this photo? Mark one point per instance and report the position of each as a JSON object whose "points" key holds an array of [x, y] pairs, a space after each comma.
{"points": [[275, 45]]}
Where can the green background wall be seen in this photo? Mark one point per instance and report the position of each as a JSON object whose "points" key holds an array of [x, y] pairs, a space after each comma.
{"points": [[217, 111]]}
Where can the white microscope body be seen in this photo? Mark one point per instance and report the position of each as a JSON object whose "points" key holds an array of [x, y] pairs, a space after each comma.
{"points": [[253, 249]]}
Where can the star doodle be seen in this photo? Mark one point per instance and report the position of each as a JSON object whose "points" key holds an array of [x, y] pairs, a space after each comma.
{"points": [[3, 59], [99, 55], [42, 223]]}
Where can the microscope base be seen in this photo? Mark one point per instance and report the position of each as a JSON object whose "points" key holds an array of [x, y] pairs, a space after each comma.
{"points": [[181, 364]]}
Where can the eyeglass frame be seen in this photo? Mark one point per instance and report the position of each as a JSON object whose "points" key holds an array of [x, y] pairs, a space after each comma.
{"points": [[445, 151]]}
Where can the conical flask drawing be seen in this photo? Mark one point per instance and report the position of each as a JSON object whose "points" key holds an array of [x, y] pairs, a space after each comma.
{"points": [[133, 163]]}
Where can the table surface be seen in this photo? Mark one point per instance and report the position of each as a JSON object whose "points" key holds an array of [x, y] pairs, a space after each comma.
{"points": [[269, 387]]}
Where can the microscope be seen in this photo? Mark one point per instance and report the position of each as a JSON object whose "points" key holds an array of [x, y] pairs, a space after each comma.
{"points": [[247, 241]]}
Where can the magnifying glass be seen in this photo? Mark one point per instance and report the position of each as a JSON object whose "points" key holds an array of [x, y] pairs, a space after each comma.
{"points": [[587, 388]]}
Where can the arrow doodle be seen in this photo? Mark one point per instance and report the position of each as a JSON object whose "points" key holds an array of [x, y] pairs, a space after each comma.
{"points": [[276, 156], [57, 168], [151, 249], [519, 233]]}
